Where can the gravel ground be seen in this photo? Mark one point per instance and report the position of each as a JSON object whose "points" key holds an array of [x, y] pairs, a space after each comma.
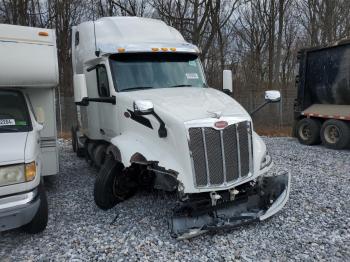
{"points": [[314, 225]]}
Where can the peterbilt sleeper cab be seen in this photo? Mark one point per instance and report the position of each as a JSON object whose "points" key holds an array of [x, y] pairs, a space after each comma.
{"points": [[28, 150], [147, 119]]}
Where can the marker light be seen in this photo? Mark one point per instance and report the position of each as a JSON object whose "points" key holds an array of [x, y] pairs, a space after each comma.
{"points": [[30, 171], [155, 49], [173, 49], [164, 49], [43, 33], [121, 50]]}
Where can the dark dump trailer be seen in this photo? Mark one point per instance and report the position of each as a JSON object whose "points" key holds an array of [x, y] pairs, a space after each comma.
{"points": [[322, 106]]}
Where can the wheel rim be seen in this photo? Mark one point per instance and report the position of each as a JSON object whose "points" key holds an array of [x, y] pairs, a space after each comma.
{"points": [[120, 191], [332, 134], [305, 132]]}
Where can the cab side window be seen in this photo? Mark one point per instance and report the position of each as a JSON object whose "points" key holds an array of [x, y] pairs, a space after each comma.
{"points": [[102, 81]]}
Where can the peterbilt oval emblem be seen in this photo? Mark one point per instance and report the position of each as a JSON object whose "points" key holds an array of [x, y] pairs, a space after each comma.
{"points": [[221, 124]]}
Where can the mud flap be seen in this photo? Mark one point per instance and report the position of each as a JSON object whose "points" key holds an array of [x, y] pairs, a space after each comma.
{"points": [[263, 200]]}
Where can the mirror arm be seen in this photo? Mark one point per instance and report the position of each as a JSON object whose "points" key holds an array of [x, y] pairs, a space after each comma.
{"points": [[162, 132], [259, 107], [85, 101]]}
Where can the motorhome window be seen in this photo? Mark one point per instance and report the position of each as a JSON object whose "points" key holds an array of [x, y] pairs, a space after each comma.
{"points": [[102, 81], [14, 114], [156, 70]]}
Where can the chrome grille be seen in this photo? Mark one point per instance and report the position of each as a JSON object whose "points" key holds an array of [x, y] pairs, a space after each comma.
{"points": [[221, 156]]}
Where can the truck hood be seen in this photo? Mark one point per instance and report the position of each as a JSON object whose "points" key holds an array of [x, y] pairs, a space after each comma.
{"points": [[12, 146], [190, 103]]}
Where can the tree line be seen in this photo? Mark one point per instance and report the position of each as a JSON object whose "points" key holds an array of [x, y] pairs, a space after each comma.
{"points": [[257, 39]]}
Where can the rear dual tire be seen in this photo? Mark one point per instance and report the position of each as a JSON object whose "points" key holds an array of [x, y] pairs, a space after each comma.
{"points": [[334, 134], [308, 131]]}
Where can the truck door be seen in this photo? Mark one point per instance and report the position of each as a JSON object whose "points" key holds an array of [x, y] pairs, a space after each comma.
{"points": [[107, 111]]}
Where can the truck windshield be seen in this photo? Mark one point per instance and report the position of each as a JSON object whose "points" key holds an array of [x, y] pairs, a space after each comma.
{"points": [[14, 116], [156, 70]]}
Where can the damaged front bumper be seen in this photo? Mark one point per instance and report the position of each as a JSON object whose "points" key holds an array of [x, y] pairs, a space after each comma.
{"points": [[256, 203]]}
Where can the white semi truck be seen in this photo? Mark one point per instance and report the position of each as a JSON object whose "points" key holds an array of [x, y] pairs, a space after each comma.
{"points": [[28, 149], [148, 119]]}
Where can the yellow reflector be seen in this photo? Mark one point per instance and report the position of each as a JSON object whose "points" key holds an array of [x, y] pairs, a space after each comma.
{"points": [[30, 171], [164, 49], [173, 49], [121, 50], [155, 49], [43, 33]]}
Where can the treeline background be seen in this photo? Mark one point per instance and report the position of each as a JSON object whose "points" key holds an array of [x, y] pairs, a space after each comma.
{"points": [[257, 39]]}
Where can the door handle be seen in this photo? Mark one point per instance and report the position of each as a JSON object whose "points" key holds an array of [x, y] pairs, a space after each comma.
{"points": [[102, 131]]}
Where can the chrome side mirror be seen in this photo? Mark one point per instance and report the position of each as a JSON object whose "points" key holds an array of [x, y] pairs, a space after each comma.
{"points": [[80, 90], [272, 96], [143, 107], [227, 82]]}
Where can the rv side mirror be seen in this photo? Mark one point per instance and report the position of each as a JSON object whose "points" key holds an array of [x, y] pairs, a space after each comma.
{"points": [[143, 107], [80, 90], [272, 96], [227, 82]]}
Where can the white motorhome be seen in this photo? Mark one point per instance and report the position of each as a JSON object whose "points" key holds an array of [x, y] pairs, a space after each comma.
{"points": [[28, 149], [148, 120]]}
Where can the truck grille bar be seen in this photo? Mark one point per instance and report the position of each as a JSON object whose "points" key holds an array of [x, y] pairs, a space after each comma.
{"points": [[223, 156]]}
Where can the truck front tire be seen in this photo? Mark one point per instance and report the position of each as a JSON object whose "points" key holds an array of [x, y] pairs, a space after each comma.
{"points": [[111, 185], [308, 131], [39, 222], [335, 134]]}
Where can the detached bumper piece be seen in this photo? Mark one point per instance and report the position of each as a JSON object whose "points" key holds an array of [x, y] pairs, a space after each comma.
{"points": [[254, 202]]}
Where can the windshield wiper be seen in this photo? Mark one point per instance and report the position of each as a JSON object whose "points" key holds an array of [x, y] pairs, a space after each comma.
{"points": [[181, 85], [137, 88], [9, 129]]}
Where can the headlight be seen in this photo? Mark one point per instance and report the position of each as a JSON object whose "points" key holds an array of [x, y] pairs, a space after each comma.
{"points": [[12, 175], [266, 160], [15, 174]]}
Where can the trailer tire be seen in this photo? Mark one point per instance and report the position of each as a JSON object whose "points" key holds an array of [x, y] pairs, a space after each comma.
{"points": [[335, 134], [39, 222], [308, 131], [105, 194]]}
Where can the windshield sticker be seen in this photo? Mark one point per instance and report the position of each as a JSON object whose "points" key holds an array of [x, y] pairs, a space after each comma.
{"points": [[192, 63], [192, 75], [7, 122], [21, 123]]}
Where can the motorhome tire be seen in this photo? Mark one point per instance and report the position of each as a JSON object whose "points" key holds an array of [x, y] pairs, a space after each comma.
{"points": [[335, 134], [39, 222], [308, 131], [104, 189]]}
